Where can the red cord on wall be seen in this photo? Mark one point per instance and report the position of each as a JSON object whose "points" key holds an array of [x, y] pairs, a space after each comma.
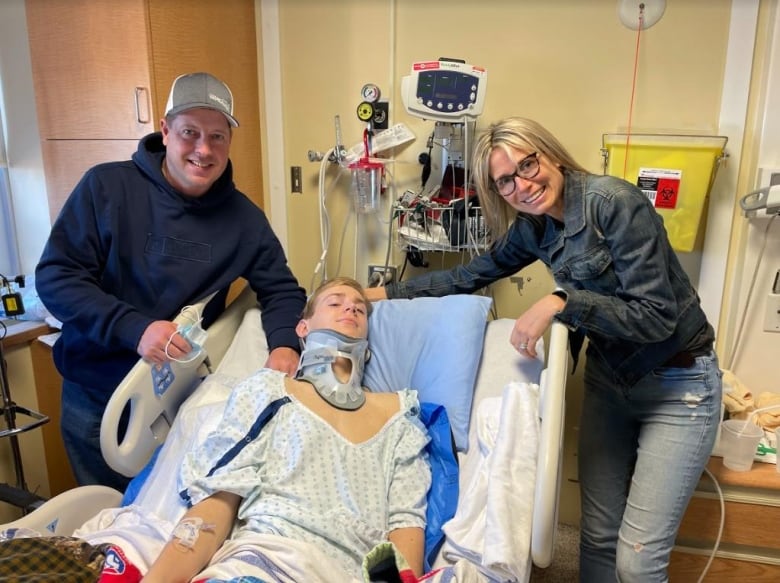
{"points": [[633, 87]]}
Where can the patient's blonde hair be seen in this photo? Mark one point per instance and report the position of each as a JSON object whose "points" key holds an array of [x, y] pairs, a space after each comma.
{"points": [[308, 311]]}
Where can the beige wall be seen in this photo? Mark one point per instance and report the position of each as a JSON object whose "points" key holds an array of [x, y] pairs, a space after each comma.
{"points": [[566, 63], [754, 255]]}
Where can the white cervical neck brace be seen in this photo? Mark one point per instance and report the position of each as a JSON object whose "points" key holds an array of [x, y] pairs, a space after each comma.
{"points": [[320, 351]]}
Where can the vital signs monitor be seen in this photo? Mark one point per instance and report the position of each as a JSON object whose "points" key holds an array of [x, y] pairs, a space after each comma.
{"points": [[446, 90]]}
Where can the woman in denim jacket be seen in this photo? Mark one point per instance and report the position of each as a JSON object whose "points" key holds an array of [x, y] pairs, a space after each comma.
{"points": [[652, 383]]}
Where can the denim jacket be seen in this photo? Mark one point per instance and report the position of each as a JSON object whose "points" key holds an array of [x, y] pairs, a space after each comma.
{"points": [[626, 290]]}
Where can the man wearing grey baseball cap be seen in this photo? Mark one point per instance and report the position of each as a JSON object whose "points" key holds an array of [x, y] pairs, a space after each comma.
{"points": [[200, 90], [137, 241]]}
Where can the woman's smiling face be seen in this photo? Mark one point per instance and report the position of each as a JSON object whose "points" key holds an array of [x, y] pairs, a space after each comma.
{"points": [[540, 194]]}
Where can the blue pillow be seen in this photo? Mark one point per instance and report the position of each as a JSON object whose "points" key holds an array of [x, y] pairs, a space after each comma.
{"points": [[433, 345]]}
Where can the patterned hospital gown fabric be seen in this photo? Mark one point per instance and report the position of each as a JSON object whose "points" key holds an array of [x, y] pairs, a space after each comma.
{"points": [[302, 479]]}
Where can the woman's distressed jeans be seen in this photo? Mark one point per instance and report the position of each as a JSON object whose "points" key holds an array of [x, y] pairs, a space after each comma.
{"points": [[642, 450]]}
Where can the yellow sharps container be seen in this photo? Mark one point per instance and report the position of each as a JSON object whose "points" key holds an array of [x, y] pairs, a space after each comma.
{"points": [[676, 172]]}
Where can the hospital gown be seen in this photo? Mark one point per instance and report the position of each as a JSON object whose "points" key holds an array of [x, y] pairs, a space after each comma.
{"points": [[299, 478]]}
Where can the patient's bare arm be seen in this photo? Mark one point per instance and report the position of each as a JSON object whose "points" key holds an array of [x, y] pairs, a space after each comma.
{"points": [[410, 542], [196, 538]]}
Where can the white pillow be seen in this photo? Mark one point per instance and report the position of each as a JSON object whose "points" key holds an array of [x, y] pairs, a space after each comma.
{"points": [[248, 350], [433, 345]]}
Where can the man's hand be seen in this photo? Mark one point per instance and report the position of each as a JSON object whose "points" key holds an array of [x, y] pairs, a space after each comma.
{"points": [[284, 360], [152, 345]]}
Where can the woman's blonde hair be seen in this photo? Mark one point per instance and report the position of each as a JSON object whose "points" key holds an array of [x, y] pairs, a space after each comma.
{"points": [[311, 304], [512, 133]]}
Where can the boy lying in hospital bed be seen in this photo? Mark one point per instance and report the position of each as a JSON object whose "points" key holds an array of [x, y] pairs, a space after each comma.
{"points": [[324, 478], [335, 469]]}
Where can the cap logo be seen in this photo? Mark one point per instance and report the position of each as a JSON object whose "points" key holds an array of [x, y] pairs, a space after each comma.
{"points": [[223, 102]]}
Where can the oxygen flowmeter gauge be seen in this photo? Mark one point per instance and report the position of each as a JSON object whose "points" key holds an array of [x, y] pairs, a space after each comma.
{"points": [[444, 90]]}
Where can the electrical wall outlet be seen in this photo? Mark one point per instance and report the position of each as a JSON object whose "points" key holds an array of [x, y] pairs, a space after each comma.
{"points": [[378, 273], [772, 316]]}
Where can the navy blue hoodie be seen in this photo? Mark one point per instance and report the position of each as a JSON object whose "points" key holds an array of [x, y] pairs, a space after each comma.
{"points": [[128, 249]]}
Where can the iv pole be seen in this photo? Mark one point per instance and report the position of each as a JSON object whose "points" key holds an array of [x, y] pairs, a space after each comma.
{"points": [[17, 495]]}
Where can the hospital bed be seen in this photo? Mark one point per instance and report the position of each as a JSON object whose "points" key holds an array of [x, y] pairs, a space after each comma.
{"points": [[440, 346]]}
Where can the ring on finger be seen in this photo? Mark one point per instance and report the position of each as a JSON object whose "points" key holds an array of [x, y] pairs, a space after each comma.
{"points": [[523, 345]]}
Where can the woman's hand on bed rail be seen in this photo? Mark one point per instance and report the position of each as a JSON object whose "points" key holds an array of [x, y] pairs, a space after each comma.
{"points": [[534, 323], [151, 347], [283, 359]]}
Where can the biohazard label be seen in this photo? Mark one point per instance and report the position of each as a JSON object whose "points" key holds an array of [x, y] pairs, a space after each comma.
{"points": [[660, 185]]}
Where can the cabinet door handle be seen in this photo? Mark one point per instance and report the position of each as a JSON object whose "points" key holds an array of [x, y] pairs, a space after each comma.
{"points": [[139, 92]]}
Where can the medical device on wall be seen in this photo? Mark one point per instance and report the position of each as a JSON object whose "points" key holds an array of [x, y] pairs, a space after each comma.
{"points": [[763, 199], [446, 90], [361, 161], [367, 176], [367, 173], [766, 200], [444, 214], [675, 172], [451, 93]]}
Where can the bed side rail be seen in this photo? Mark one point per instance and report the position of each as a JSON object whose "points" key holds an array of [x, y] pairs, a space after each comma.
{"points": [[66, 512], [549, 462], [154, 394]]}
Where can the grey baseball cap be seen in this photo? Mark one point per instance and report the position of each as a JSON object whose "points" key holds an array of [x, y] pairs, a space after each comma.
{"points": [[200, 90]]}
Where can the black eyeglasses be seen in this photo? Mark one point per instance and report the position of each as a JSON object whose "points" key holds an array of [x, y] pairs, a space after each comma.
{"points": [[527, 168]]}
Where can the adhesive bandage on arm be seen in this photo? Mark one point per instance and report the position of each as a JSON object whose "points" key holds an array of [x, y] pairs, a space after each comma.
{"points": [[185, 534]]}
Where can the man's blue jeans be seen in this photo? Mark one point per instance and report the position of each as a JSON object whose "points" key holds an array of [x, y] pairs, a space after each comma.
{"points": [[80, 427], [642, 450]]}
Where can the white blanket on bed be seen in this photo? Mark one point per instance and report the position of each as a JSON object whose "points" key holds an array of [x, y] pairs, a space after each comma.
{"points": [[492, 526]]}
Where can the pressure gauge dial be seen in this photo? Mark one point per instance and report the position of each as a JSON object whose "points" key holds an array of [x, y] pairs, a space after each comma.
{"points": [[370, 93], [365, 111]]}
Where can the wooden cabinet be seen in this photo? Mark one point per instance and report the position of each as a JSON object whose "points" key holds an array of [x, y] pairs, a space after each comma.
{"points": [[102, 72], [91, 68], [48, 389], [749, 548]]}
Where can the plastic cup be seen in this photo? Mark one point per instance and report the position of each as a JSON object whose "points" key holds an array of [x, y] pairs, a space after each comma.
{"points": [[777, 446], [739, 441]]}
